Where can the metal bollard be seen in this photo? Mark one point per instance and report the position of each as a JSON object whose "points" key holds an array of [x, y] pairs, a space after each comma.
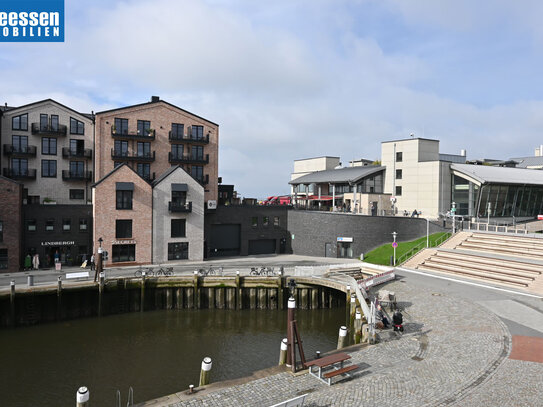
{"points": [[283, 352], [82, 397], [318, 354], [30, 281], [358, 327], [342, 338], [205, 371]]}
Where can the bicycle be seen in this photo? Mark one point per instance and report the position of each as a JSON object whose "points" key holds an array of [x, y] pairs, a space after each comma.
{"points": [[148, 272], [202, 272], [166, 272]]}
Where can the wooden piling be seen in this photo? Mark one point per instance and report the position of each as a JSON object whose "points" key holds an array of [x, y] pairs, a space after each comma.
{"points": [[100, 293], [211, 298], [179, 298], [280, 296], [290, 318], [231, 298], [189, 293], [59, 298], [205, 371], [219, 294], [262, 298], [142, 292], [314, 298], [252, 298], [169, 298], [196, 292], [12, 303], [272, 298], [239, 293]]}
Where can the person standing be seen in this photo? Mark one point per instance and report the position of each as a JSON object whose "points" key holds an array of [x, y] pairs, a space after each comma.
{"points": [[28, 262], [36, 261], [57, 256], [92, 262]]}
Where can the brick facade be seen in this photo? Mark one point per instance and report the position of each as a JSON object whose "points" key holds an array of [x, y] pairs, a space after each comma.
{"points": [[11, 196], [105, 214], [161, 115]]}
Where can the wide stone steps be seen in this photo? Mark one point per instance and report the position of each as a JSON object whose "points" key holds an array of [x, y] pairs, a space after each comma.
{"points": [[458, 255], [467, 265]]}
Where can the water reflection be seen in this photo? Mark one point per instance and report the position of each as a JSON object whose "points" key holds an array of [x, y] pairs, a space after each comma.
{"points": [[157, 353]]}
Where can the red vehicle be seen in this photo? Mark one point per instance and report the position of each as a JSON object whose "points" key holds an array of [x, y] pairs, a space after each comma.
{"points": [[278, 200]]}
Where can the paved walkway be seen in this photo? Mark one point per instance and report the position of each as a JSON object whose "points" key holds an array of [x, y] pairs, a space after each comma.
{"points": [[453, 352]]}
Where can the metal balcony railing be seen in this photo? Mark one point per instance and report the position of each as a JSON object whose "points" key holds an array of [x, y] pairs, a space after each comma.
{"points": [[10, 149], [15, 173], [188, 159], [49, 130], [180, 206], [132, 156], [68, 175], [126, 134], [188, 138], [75, 153]]}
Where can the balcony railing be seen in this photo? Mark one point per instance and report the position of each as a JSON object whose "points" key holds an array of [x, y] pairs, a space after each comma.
{"points": [[10, 149], [189, 138], [70, 152], [187, 159], [49, 130], [68, 175], [204, 180], [19, 174], [125, 134], [180, 206], [148, 177], [132, 156]]}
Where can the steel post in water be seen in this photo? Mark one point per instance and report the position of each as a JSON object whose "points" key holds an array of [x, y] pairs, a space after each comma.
{"points": [[290, 317], [342, 338], [12, 302], [100, 292], [82, 397], [142, 295], [238, 290], [348, 304], [59, 298], [352, 313], [196, 293], [283, 352], [280, 297], [205, 371], [357, 327]]}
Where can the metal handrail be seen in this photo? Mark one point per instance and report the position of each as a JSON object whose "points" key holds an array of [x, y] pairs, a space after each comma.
{"points": [[414, 250]]}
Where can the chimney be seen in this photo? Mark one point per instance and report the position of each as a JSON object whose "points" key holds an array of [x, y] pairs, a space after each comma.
{"points": [[463, 152], [155, 99]]}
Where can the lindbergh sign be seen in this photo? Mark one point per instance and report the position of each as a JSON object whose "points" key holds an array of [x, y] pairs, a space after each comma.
{"points": [[31, 20]]}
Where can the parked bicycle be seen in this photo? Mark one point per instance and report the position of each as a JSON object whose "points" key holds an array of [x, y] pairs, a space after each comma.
{"points": [[210, 272], [148, 272], [263, 271], [166, 272]]}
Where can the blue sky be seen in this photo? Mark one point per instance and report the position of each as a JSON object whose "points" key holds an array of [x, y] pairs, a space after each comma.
{"points": [[294, 79]]}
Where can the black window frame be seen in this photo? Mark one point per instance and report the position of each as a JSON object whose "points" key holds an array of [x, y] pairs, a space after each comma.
{"points": [[77, 126], [398, 190], [46, 166], [178, 251], [123, 228], [123, 252], [31, 223], [121, 125], [4, 262], [1, 231], [83, 224], [66, 222], [144, 127], [50, 223], [276, 221], [178, 151], [399, 156], [197, 132], [178, 130], [399, 174], [123, 200], [178, 228], [197, 153], [144, 170], [77, 194], [47, 144], [19, 127], [265, 221], [254, 221]]}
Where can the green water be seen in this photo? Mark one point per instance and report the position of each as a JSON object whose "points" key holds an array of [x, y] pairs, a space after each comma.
{"points": [[156, 353]]}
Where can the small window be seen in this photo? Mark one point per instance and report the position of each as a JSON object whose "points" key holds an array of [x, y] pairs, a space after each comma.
{"points": [[82, 224], [1, 231], [3, 259], [19, 122], [178, 251], [254, 221], [266, 221], [276, 221], [66, 224], [31, 225], [124, 199], [49, 146], [123, 228], [49, 225], [399, 157], [398, 174], [178, 228], [120, 126], [77, 194], [398, 191], [48, 168], [76, 126]]}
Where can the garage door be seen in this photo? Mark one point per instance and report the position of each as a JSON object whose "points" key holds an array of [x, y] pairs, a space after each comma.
{"points": [[225, 240], [262, 246]]}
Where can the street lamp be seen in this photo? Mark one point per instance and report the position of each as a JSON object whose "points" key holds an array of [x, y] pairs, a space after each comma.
{"points": [[453, 213], [100, 240]]}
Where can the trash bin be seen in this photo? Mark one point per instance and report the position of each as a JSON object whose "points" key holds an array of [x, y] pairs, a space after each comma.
{"points": [[30, 281]]}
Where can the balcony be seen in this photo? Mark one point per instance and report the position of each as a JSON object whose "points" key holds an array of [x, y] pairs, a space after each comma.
{"points": [[68, 152], [189, 138], [148, 177], [125, 134], [49, 130], [204, 180], [19, 174], [187, 159], [133, 156], [17, 151], [68, 175], [180, 207]]}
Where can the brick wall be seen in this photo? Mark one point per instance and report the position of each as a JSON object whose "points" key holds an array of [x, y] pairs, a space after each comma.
{"points": [[11, 196]]}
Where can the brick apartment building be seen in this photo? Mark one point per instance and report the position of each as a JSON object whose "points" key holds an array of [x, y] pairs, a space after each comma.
{"points": [[11, 195], [151, 137], [47, 147]]}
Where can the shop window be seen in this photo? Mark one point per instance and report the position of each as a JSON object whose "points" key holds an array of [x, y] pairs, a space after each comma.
{"points": [[178, 251], [123, 252], [3, 259], [124, 199], [178, 227], [49, 225], [31, 225], [66, 224], [123, 228], [77, 193], [83, 224]]}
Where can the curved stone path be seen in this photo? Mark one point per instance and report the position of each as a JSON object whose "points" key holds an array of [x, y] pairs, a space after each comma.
{"points": [[453, 352]]}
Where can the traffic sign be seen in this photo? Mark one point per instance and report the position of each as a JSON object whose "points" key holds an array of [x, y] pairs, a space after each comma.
{"points": [[395, 244]]}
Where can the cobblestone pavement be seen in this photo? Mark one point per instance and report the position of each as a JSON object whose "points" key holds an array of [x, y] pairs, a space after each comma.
{"points": [[453, 352]]}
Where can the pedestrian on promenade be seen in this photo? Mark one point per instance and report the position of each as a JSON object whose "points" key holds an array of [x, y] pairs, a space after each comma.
{"points": [[92, 262], [57, 256], [379, 315], [28, 262], [36, 261]]}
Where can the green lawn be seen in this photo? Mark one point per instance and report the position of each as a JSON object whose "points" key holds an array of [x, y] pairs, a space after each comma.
{"points": [[382, 254]]}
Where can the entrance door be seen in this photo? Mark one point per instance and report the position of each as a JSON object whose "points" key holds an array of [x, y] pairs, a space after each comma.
{"points": [[328, 250]]}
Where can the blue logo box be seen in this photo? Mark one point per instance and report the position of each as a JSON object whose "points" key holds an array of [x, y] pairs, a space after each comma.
{"points": [[31, 20]]}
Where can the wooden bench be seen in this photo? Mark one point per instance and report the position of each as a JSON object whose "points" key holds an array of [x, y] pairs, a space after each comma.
{"points": [[334, 373], [294, 402], [79, 274]]}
